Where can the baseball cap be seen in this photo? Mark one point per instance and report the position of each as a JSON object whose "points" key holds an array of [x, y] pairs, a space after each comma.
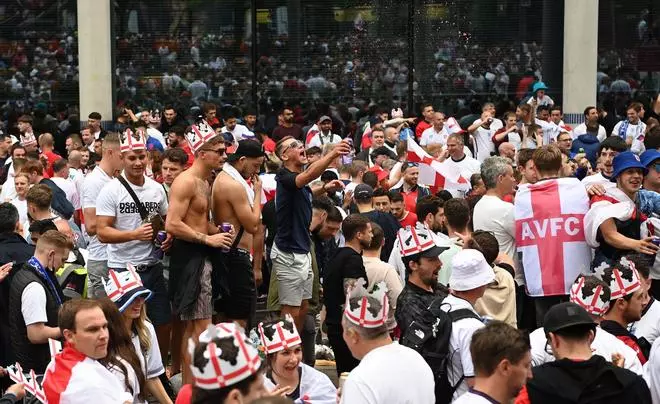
{"points": [[469, 270], [649, 157], [363, 191], [624, 161], [325, 118], [564, 315], [247, 148]]}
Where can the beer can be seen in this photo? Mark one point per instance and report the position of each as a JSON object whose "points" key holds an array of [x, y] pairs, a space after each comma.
{"points": [[342, 379], [226, 227]]}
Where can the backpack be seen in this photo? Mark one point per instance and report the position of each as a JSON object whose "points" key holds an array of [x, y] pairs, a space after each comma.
{"points": [[59, 203], [429, 336]]}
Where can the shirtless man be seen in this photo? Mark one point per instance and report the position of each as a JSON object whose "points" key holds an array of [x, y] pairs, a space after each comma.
{"points": [[236, 202], [196, 237]]}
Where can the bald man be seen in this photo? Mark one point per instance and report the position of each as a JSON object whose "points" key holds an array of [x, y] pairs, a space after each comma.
{"points": [[507, 150], [46, 144]]}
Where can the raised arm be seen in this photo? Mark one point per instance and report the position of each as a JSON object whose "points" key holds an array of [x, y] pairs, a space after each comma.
{"points": [[317, 168]]}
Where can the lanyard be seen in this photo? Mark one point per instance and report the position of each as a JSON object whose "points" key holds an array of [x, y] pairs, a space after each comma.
{"points": [[34, 263]]}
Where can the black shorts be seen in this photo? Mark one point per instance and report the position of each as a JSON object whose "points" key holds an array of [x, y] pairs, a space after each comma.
{"points": [[241, 300]]}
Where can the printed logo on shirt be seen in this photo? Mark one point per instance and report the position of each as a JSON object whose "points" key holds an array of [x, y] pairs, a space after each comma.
{"points": [[131, 207]]}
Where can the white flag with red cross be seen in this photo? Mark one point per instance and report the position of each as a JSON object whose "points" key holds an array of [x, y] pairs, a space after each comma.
{"points": [[550, 234], [437, 175]]}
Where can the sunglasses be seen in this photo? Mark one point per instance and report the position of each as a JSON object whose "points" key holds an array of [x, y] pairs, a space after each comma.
{"points": [[657, 167], [293, 145]]}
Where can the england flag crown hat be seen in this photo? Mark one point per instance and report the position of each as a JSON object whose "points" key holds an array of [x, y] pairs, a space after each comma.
{"points": [[621, 277], [369, 308], [279, 335], [595, 299], [199, 134], [124, 287], [230, 357], [132, 139], [418, 240]]}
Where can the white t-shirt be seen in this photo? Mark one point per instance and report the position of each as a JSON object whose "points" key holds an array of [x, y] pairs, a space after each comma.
{"points": [[467, 166], [634, 133], [115, 201], [649, 326], [152, 364], [240, 132], [598, 179], [327, 139], [21, 206], [652, 371], [132, 379], [497, 216], [581, 129], [33, 304], [484, 145], [8, 191], [78, 178], [474, 397], [69, 189], [459, 344], [92, 186], [431, 136], [375, 381], [604, 344]]}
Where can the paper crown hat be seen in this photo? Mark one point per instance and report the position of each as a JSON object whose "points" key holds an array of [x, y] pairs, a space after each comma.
{"points": [[280, 335], [417, 239], [624, 279], [199, 134], [132, 139], [124, 287], [594, 300], [225, 368], [369, 308]]}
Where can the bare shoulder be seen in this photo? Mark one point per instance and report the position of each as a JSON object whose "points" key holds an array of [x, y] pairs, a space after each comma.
{"points": [[183, 186], [225, 187]]}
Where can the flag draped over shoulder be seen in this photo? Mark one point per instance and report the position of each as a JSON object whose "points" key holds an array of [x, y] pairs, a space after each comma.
{"points": [[433, 173], [550, 235]]}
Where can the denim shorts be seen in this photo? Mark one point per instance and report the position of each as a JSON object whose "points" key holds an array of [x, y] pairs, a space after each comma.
{"points": [[294, 276]]}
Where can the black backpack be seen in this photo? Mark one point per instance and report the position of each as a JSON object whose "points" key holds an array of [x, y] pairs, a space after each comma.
{"points": [[429, 336]]}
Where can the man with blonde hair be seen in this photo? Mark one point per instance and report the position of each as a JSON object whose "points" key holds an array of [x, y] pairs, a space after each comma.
{"points": [[34, 300]]}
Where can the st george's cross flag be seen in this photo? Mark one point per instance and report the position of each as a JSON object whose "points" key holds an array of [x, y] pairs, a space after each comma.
{"points": [[550, 235], [433, 173]]}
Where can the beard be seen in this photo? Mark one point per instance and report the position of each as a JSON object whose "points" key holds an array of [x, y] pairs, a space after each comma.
{"points": [[365, 244]]}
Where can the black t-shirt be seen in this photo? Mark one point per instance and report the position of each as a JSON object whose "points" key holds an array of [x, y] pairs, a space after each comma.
{"points": [[346, 264], [390, 228], [269, 219], [294, 211]]}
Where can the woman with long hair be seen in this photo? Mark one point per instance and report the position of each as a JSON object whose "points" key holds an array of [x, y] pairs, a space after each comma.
{"points": [[285, 368], [122, 360], [128, 293]]}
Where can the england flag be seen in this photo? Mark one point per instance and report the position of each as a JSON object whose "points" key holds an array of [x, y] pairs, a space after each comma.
{"points": [[550, 234]]}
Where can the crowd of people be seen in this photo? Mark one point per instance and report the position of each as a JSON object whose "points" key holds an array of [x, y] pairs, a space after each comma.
{"points": [[413, 251]]}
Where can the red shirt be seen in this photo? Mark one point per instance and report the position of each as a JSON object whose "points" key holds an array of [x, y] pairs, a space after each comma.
{"points": [[410, 199], [410, 219], [421, 127], [51, 157], [185, 395], [191, 157]]}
